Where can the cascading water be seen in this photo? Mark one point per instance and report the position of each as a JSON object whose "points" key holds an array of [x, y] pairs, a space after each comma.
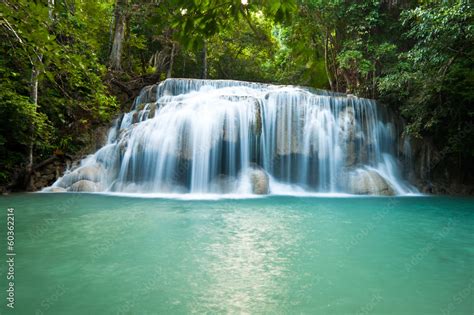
{"points": [[222, 136]]}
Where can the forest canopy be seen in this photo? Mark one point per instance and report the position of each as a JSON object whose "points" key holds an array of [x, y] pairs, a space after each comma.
{"points": [[70, 66]]}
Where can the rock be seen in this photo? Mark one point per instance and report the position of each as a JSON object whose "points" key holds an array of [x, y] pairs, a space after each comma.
{"points": [[351, 156], [90, 173], [259, 181], [257, 128], [66, 181], [84, 186], [366, 153], [369, 182], [123, 145], [230, 130], [107, 157], [144, 111], [152, 110], [288, 134], [347, 135], [140, 107], [56, 189], [135, 117], [224, 184], [147, 95]]}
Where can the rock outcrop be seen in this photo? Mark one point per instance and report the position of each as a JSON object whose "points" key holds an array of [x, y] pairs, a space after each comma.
{"points": [[89, 173], [369, 182], [347, 135], [259, 181], [83, 186]]}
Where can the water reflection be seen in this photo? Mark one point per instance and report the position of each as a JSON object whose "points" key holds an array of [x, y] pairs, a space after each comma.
{"points": [[247, 263]]}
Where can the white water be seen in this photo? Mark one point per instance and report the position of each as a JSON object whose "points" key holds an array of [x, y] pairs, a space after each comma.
{"points": [[203, 137]]}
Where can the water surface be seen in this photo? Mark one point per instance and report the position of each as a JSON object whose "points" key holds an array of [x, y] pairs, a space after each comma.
{"points": [[98, 254]]}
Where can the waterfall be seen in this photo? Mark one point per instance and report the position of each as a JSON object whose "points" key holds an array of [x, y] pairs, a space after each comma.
{"points": [[224, 136]]}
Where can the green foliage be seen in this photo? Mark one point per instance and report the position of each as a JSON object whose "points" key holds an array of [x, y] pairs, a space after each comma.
{"points": [[198, 19], [63, 45], [432, 81], [19, 115], [19, 119], [243, 52], [414, 55], [354, 60]]}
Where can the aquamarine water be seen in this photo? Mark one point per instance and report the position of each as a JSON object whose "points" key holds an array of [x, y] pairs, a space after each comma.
{"points": [[98, 254]]}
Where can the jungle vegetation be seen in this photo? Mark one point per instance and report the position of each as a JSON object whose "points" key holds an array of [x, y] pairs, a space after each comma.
{"points": [[69, 66]]}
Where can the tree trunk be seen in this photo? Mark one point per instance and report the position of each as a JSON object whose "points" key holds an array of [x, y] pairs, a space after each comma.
{"points": [[34, 100], [34, 85], [115, 59], [374, 82], [326, 60], [51, 9], [348, 82], [332, 54], [170, 68], [204, 60]]}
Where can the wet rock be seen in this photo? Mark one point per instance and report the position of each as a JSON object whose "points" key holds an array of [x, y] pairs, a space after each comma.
{"points": [[147, 95], [347, 135], [257, 128], [369, 182], [135, 117], [259, 181], [91, 173], [152, 110], [224, 184], [140, 107], [230, 130], [66, 181], [84, 186], [289, 132], [56, 189]]}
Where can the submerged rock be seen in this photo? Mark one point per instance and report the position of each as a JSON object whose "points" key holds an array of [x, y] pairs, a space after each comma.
{"points": [[369, 182], [259, 181]]}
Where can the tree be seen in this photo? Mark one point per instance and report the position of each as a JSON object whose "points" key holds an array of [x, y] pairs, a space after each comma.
{"points": [[51, 77], [432, 81], [120, 28], [31, 40]]}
